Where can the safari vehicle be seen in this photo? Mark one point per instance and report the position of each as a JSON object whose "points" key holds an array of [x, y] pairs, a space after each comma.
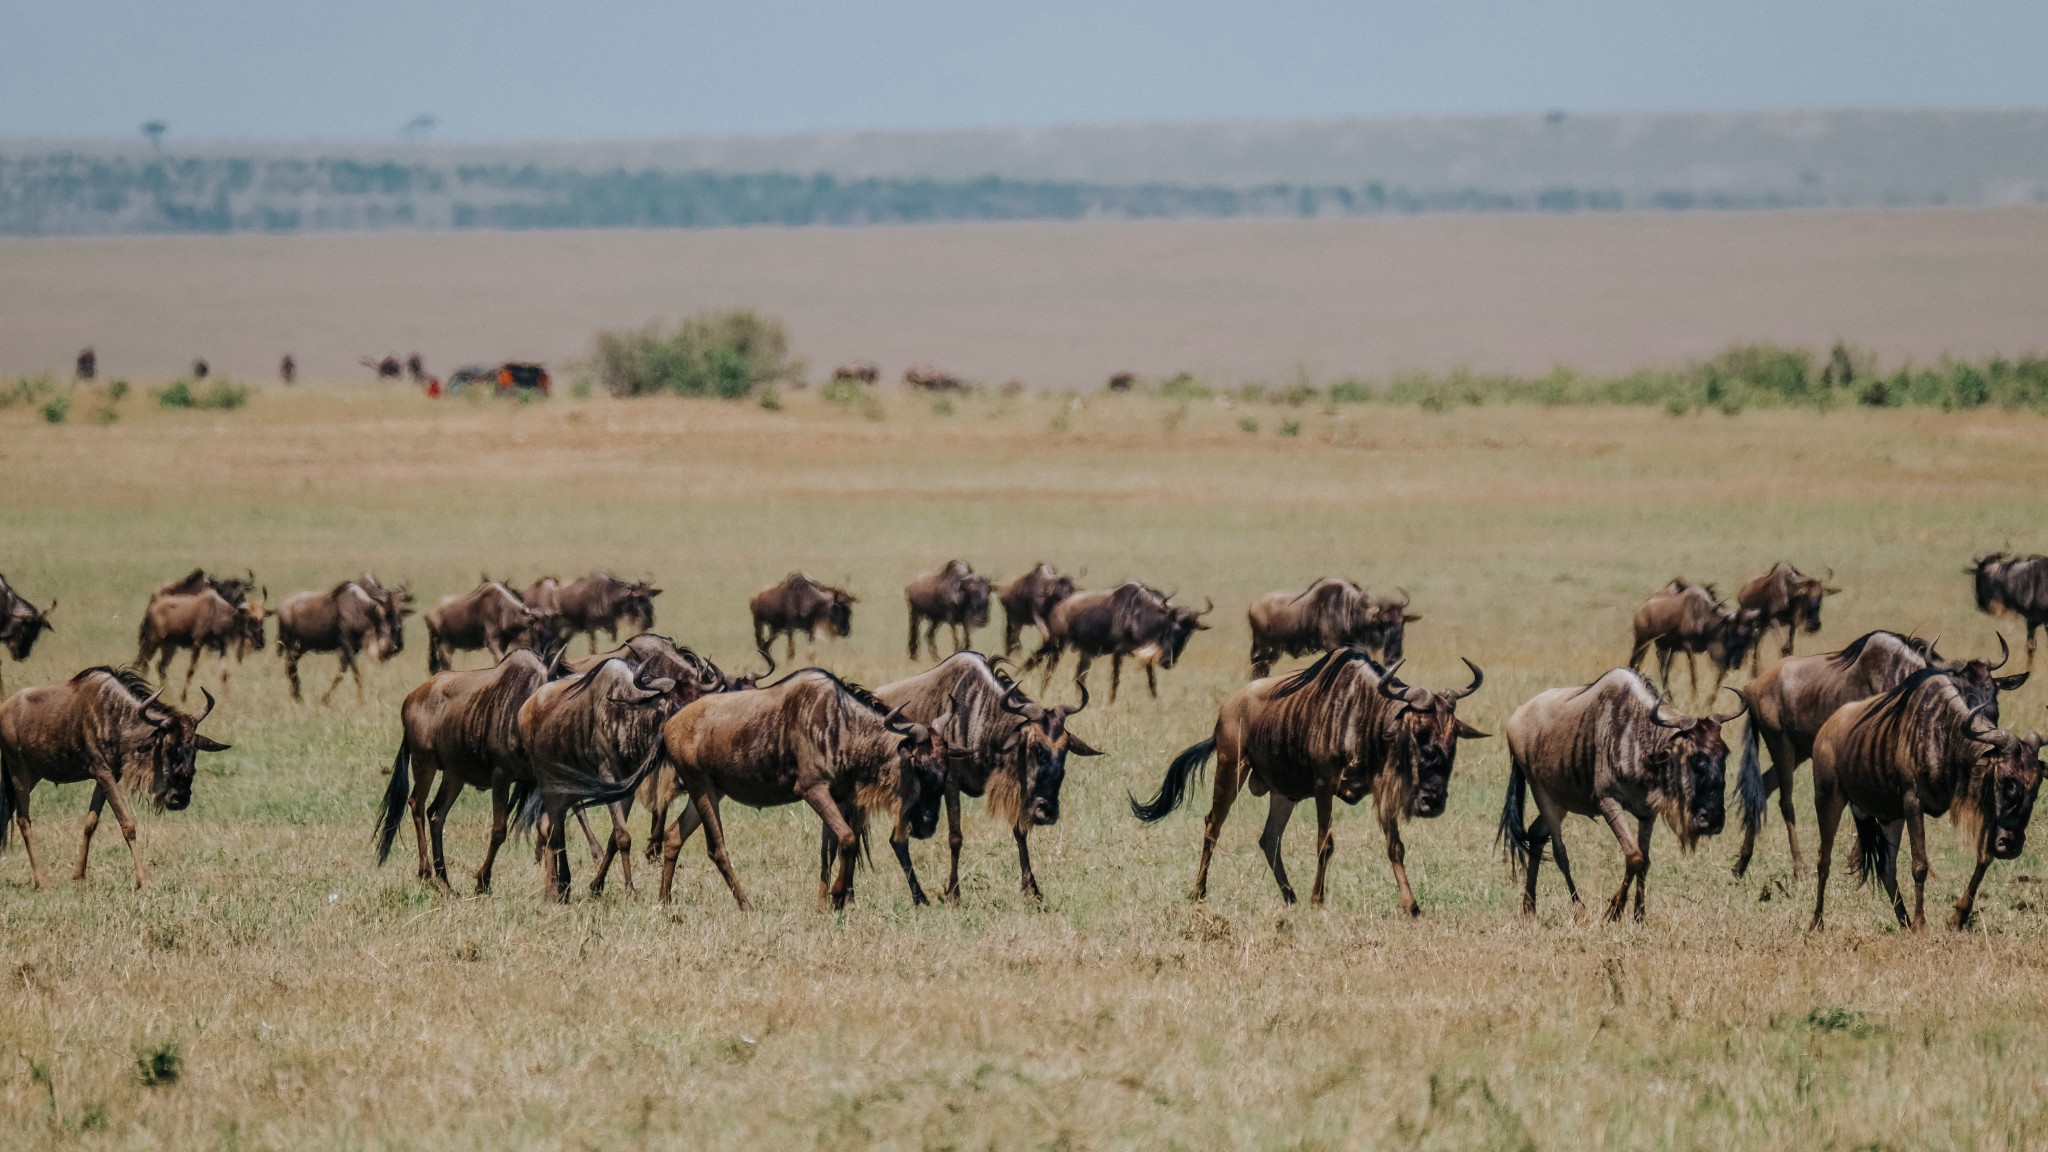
{"points": [[505, 379]]}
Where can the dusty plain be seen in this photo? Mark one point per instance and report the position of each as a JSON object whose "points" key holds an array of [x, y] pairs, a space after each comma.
{"points": [[317, 1000], [1062, 305]]}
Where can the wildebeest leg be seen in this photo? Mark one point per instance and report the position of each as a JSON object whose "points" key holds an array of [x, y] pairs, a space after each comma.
{"points": [[423, 768], [1082, 662], [1029, 882], [1916, 828], [500, 815], [291, 670], [1664, 665], [1692, 673], [899, 843], [911, 646], [1827, 813], [1116, 673], [112, 792], [1151, 681], [554, 868], [1632, 856], [714, 844], [589, 837], [1967, 902], [1278, 809], [21, 788], [163, 662], [2031, 625], [92, 823], [953, 840], [619, 847], [1644, 826], [1397, 855], [1785, 762], [672, 847], [1228, 781], [437, 821], [1889, 871], [1553, 822], [346, 666], [1326, 845], [842, 833]]}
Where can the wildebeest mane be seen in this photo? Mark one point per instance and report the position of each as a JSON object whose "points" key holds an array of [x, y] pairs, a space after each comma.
{"points": [[1328, 665], [130, 679], [1849, 655]]}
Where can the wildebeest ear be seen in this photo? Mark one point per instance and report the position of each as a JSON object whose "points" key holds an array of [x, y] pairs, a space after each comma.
{"points": [[2011, 683], [1465, 731], [1080, 747], [660, 687], [209, 744]]}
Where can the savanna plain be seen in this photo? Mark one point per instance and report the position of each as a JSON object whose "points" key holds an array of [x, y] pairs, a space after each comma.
{"points": [[314, 999]]}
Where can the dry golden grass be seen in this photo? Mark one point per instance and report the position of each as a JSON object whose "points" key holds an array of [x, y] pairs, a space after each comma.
{"points": [[318, 1001]]}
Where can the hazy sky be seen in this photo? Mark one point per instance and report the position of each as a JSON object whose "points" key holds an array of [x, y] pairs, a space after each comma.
{"points": [[526, 69]]}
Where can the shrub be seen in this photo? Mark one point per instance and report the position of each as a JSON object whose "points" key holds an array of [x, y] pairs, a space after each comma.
{"points": [[1352, 392], [157, 1065], [1290, 428], [723, 354], [57, 408], [1248, 424], [27, 390], [117, 390], [1183, 387], [222, 395]]}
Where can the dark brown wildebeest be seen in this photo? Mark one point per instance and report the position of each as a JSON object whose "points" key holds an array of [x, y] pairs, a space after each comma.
{"points": [[201, 369], [1030, 599], [21, 623], [999, 744], [464, 726], [386, 369], [1123, 381], [808, 737], [599, 600], [864, 371], [1920, 750], [106, 726], [416, 369], [604, 723], [2013, 584], [288, 369], [1611, 750], [1340, 729], [1795, 696], [1784, 598], [953, 596], [800, 604], [197, 621], [1690, 618], [1330, 613], [234, 589], [931, 378], [1127, 620], [88, 365], [352, 618], [489, 616]]}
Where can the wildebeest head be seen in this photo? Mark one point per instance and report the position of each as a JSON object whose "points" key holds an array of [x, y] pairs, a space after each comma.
{"points": [[839, 614], [1987, 571], [636, 605], [540, 629], [173, 747], [1042, 743], [249, 619], [2011, 777], [393, 606], [974, 595], [1807, 593], [1976, 679], [921, 762], [24, 626], [1182, 622], [1387, 620], [1695, 770], [1430, 726], [1730, 644]]}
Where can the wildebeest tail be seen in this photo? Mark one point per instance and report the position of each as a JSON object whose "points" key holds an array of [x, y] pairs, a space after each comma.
{"points": [[394, 800], [6, 800], [1514, 834], [578, 789], [524, 803], [1175, 787], [1749, 780], [1871, 847]]}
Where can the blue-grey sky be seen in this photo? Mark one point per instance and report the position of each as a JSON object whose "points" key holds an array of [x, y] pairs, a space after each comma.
{"points": [[555, 70]]}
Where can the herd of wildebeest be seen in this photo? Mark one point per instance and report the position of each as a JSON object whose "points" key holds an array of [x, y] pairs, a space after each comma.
{"points": [[1896, 731]]}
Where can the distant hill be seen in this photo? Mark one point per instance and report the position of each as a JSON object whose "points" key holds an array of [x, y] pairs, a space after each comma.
{"points": [[1554, 163]]}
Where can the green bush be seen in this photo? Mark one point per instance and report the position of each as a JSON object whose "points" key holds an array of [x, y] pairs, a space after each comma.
{"points": [[222, 395], [27, 390], [1248, 425], [117, 389], [723, 354], [57, 408], [157, 1065], [1352, 392], [1183, 387]]}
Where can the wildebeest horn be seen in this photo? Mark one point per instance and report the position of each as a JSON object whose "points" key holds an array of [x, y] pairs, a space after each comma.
{"points": [[2004, 653], [1717, 719], [1016, 690], [1657, 717], [894, 721], [1403, 601], [1208, 606], [144, 709], [1083, 705], [1478, 678], [1388, 680], [209, 706]]}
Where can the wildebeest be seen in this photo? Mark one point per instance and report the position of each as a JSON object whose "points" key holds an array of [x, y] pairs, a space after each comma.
{"points": [[1030, 599], [465, 727], [1127, 620], [288, 369], [489, 616], [353, 618], [1330, 613], [599, 600], [1611, 749], [604, 723], [1795, 696], [1784, 598], [1123, 381], [387, 368], [998, 743], [931, 378], [809, 736], [201, 369], [1690, 618], [88, 364], [800, 604], [106, 726], [1340, 729], [197, 621], [953, 596], [865, 371], [2013, 584], [416, 368], [1920, 750], [21, 623]]}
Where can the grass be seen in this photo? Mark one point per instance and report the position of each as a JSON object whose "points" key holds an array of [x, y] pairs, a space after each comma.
{"points": [[303, 997]]}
